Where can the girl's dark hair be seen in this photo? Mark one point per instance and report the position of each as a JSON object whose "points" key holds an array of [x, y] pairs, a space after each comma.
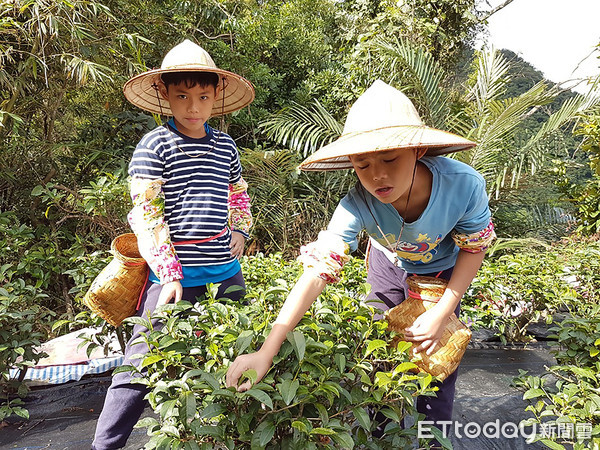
{"points": [[191, 79]]}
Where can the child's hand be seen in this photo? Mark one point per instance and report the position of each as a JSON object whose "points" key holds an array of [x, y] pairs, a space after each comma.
{"points": [[427, 329], [237, 244], [257, 361], [170, 291]]}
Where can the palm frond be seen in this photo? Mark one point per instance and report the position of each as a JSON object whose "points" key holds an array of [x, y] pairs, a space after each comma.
{"points": [[425, 75], [546, 215], [496, 123], [492, 69], [570, 111], [502, 244], [270, 176], [303, 129]]}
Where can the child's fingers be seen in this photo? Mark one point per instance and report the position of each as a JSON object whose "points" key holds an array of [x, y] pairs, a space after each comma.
{"points": [[178, 295], [244, 386], [428, 346], [231, 377], [235, 372], [423, 346], [163, 298], [432, 348], [415, 332], [236, 249]]}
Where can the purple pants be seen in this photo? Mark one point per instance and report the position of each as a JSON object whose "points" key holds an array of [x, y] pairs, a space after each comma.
{"points": [[388, 289], [124, 402]]}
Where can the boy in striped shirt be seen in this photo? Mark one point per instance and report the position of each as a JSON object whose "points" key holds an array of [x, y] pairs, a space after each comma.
{"points": [[191, 213]]}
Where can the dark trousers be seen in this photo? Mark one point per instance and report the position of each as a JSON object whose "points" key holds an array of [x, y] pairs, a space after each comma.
{"points": [[388, 289], [124, 402]]}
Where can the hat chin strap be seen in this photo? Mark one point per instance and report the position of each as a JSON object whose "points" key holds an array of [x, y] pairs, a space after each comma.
{"points": [[156, 87], [223, 104]]}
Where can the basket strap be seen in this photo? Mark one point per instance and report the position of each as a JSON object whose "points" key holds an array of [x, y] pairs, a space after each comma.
{"points": [[416, 295], [201, 241], [137, 307], [188, 242], [437, 276]]}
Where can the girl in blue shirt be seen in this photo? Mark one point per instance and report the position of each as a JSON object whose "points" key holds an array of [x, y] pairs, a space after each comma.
{"points": [[424, 214]]}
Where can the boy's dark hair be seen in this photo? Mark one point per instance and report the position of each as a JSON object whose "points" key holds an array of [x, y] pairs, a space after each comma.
{"points": [[191, 79]]}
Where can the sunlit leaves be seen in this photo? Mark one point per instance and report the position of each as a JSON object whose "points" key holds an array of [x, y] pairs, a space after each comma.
{"points": [[303, 129]]}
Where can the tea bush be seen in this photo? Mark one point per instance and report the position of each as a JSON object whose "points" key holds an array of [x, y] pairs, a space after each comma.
{"points": [[34, 290], [333, 368], [581, 259], [514, 290], [19, 337], [23, 322], [567, 397]]}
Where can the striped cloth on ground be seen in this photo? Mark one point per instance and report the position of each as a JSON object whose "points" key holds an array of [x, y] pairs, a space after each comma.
{"points": [[59, 374]]}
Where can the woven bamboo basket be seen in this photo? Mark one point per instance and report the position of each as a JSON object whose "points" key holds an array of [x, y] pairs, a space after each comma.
{"points": [[114, 293], [423, 294]]}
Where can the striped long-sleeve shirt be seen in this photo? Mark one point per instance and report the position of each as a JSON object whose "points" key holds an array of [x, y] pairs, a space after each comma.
{"points": [[186, 185]]}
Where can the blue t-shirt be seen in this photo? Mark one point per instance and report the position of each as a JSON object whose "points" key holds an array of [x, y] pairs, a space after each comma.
{"points": [[458, 202]]}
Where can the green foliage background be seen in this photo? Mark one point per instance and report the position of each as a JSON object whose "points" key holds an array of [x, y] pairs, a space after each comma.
{"points": [[67, 134]]}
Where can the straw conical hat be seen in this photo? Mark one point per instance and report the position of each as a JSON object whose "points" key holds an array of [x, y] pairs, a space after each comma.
{"points": [[382, 118], [141, 90]]}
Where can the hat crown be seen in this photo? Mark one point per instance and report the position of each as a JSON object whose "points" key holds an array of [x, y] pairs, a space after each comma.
{"points": [[381, 106], [187, 54]]}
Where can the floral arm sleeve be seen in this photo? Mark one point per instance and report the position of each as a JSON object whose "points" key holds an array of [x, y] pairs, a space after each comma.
{"points": [[475, 242], [147, 220], [325, 257], [240, 217]]}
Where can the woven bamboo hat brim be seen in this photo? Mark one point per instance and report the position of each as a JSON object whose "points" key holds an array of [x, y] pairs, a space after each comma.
{"points": [[382, 118], [141, 90]]}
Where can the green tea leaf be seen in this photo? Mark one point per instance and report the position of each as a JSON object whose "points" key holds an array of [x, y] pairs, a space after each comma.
{"points": [[135, 320], [151, 360], [374, 345], [343, 439], [125, 368], [363, 418], [21, 412], [533, 393], [551, 444], [261, 396], [288, 390], [212, 410], [188, 405], [243, 341], [146, 422], [300, 426], [251, 375], [263, 435], [296, 338], [323, 431]]}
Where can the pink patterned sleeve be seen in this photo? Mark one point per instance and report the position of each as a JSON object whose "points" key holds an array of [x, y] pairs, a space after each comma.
{"points": [[240, 217], [325, 257], [475, 242], [147, 220]]}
